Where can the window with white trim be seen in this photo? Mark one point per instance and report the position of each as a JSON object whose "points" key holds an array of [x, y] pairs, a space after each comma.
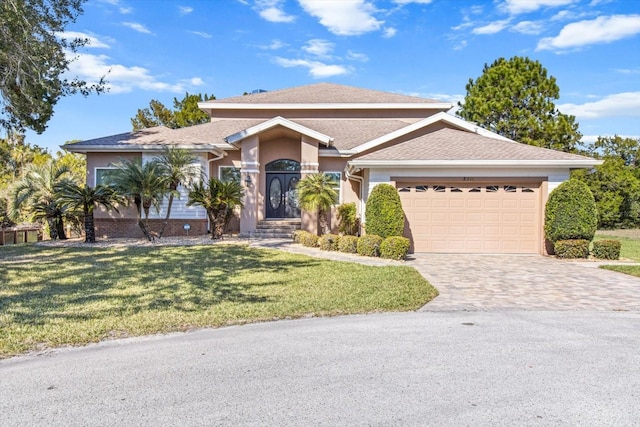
{"points": [[100, 174], [229, 173], [337, 177]]}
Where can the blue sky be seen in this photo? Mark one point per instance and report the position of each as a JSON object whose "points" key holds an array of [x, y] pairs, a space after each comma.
{"points": [[156, 49]]}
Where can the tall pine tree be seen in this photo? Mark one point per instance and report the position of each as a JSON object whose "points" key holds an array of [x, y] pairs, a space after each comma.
{"points": [[515, 98]]}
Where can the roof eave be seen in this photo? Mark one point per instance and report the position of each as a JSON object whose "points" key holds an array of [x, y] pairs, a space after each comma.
{"points": [[79, 148], [563, 164], [327, 106]]}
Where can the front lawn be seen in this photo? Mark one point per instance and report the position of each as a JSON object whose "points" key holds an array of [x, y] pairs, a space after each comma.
{"points": [[54, 296], [633, 270]]}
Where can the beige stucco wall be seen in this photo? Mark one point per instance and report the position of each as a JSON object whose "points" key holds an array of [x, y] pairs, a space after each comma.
{"points": [[103, 160], [231, 159]]}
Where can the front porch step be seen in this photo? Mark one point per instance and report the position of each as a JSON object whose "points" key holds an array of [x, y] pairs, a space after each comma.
{"points": [[275, 229], [270, 235]]}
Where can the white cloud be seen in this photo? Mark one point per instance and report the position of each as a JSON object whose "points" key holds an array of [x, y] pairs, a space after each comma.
{"points": [[626, 104], [120, 78], [202, 34], [528, 27], [516, 7], [318, 47], [592, 138], [353, 56], [604, 29], [92, 40], [492, 28], [316, 69], [274, 45], [185, 10], [344, 17], [125, 10], [461, 45], [272, 11], [627, 70], [412, 1], [389, 32], [137, 27]]}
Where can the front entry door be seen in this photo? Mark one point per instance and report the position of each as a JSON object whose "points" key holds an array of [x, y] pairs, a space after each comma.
{"points": [[282, 196]]}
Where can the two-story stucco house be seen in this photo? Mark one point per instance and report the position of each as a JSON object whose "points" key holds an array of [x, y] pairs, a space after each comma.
{"points": [[463, 189]]}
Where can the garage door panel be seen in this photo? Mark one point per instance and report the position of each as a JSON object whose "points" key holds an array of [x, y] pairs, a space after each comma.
{"points": [[473, 219]]}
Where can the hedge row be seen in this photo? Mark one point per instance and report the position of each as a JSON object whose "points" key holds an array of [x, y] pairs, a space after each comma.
{"points": [[579, 248], [394, 247]]}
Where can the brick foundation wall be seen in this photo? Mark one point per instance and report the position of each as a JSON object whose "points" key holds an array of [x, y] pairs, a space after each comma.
{"points": [[128, 227]]}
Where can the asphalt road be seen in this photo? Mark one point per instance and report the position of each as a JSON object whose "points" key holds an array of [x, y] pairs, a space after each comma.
{"points": [[427, 368]]}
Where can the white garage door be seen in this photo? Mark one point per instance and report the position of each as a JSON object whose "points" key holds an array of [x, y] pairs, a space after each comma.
{"points": [[472, 218]]}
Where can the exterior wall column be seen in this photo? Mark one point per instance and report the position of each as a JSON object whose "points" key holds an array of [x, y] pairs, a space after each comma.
{"points": [[250, 168], [309, 164]]}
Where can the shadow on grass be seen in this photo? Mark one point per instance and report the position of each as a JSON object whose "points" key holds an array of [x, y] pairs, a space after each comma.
{"points": [[40, 285]]}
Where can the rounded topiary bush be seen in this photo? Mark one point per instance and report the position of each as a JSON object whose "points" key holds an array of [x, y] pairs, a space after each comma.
{"points": [[395, 247], [369, 245], [384, 215], [574, 248], [297, 235], [329, 242], [309, 239], [570, 212], [348, 244], [606, 249]]}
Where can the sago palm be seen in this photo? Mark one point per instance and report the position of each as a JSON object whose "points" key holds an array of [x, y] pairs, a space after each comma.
{"points": [[317, 193], [86, 199], [219, 199], [143, 184]]}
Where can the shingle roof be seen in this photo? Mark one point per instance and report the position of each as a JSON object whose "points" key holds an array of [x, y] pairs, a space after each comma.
{"points": [[347, 133], [453, 144], [323, 93], [441, 145], [148, 136]]}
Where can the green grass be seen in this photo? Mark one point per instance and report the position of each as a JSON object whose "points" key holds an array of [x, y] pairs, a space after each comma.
{"points": [[55, 296], [633, 270]]}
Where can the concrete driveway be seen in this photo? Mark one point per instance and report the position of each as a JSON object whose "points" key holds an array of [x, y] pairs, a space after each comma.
{"points": [[498, 282]]}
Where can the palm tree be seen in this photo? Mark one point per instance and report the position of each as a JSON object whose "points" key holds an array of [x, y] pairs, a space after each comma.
{"points": [[178, 168], [35, 192], [317, 192], [86, 199], [144, 184], [219, 200]]}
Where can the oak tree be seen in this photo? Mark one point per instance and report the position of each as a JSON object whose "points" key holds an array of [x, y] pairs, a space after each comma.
{"points": [[34, 56]]}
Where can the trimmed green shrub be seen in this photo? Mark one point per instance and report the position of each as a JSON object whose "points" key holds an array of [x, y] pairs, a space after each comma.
{"points": [[570, 212], [348, 219], [348, 244], [384, 215], [606, 249], [369, 245], [297, 235], [309, 239], [329, 242], [574, 248], [395, 247]]}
